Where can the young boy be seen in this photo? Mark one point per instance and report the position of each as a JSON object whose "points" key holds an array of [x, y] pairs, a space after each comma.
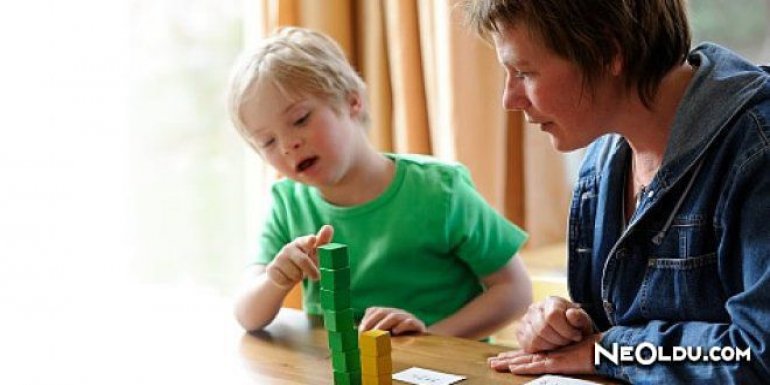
{"points": [[427, 253]]}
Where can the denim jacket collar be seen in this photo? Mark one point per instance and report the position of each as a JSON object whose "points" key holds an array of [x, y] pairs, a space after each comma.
{"points": [[720, 88]]}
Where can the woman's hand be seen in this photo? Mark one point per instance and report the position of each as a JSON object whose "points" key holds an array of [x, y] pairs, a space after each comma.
{"points": [[552, 323], [572, 359], [397, 321]]}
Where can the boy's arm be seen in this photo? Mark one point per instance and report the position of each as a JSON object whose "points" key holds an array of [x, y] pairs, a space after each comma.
{"points": [[258, 300], [265, 286], [507, 296]]}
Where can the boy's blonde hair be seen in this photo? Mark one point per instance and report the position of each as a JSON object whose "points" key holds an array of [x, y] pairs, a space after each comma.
{"points": [[299, 61]]}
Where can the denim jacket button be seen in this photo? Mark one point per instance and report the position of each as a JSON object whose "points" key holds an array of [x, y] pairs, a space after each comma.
{"points": [[650, 194]]}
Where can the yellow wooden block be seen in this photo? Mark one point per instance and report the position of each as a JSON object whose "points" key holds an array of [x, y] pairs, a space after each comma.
{"points": [[374, 343], [382, 379], [376, 365]]}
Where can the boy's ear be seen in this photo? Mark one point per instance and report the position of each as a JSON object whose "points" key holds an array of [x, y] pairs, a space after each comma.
{"points": [[355, 104]]}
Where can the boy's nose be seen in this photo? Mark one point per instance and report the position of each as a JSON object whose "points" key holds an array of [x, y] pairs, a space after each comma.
{"points": [[292, 144]]}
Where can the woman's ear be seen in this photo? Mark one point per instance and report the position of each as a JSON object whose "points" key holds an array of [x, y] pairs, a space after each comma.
{"points": [[617, 64], [616, 67]]}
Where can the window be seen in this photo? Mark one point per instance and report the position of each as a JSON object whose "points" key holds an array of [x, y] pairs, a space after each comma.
{"points": [[117, 158], [739, 25]]}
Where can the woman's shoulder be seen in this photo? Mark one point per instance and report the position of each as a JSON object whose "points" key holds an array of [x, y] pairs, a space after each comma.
{"points": [[749, 135]]}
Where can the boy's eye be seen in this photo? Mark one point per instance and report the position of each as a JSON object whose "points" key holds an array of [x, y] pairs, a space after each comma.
{"points": [[301, 121], [520, 74], [268, 143]]}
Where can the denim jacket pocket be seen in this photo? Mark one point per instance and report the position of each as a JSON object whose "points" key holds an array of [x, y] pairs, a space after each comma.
{"points": [[581, 236], [678, 289], [582, 216]]}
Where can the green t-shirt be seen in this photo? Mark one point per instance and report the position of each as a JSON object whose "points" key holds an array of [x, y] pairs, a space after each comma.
{"points": [[421, 246]]}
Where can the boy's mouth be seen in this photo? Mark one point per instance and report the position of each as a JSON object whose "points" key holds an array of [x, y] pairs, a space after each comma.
{"points": [[306, 163]]}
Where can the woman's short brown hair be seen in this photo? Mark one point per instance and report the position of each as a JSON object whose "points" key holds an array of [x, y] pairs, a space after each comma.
{"points": [[651, 36]]}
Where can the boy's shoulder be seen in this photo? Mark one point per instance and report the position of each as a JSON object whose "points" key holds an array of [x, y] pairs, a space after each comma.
{"points": [[432, 175], [289, 188], [430, 166]]}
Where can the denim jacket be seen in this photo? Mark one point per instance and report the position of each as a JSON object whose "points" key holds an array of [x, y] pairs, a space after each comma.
{"points": [[692, 266]]}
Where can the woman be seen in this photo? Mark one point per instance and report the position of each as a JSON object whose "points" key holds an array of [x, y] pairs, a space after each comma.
{"points": [[667, 230]]}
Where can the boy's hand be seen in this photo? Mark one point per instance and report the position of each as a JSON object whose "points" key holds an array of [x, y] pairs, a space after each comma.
{"points": [[552, 323], [397, 321], [298, 259]]}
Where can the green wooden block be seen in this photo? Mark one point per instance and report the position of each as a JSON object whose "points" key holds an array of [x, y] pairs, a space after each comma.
{"points": [[333, 256], [342, 378], [335, 300], [338, 321], [335, 280], [343, 340], [347, 362]]}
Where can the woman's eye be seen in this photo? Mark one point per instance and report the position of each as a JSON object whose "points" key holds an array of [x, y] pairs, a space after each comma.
{"points": [[268, 143]]}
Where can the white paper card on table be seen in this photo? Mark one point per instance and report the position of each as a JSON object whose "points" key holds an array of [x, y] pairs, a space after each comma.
{"points": [[559, 380], [419, 376]]}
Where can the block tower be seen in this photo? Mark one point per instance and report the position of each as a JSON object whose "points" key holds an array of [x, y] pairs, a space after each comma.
{"points": [[338, 315], [376, 364]]}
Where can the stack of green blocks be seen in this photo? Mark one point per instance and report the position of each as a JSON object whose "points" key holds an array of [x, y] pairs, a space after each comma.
{"points": [[338, 315]]}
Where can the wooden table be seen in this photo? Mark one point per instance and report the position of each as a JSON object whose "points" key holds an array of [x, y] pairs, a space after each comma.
{"points": [[293, 350], [127, 335]]}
